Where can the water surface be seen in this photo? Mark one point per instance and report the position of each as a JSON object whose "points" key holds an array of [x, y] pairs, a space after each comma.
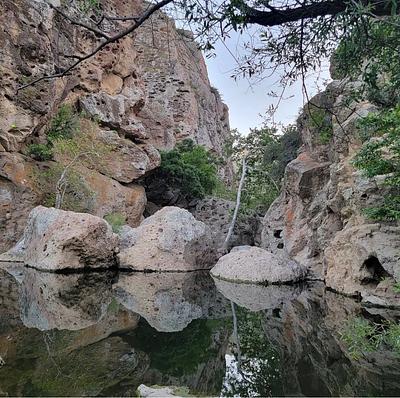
{"points": [[104, 334]]}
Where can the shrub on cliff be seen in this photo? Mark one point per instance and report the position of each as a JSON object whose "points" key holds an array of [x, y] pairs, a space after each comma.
{"points": [[380, 156], [188, 168]]}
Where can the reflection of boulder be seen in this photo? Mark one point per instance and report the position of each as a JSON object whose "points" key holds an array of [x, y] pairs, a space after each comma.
{"points": [[56, 239], [258, 297], [250, 264], [64, 362], [72, 302], [170, 240], [315, 361], [170, 301]]}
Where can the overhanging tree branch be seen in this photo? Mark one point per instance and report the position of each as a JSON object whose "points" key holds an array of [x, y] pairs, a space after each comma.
{"points": [[280, 16]]}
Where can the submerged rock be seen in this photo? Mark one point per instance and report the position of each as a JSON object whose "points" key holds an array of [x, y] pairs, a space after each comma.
{"points": [[170, 240], [250, 264], [56, 239]]}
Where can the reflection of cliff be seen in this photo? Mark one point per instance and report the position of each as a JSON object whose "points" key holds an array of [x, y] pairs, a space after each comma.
{"points": [[315, 361]]}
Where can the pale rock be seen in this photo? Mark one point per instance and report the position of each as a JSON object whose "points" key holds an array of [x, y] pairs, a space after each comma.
{"points": [[248, 264], [56, 239], [170, 240]]}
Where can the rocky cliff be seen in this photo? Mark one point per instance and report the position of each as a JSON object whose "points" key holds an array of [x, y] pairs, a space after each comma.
{"points": [[138, 96], [318, 218]]}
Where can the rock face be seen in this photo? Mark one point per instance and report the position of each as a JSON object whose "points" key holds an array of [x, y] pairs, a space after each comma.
{"points": [[255, 265], [217, 214], [318, 220], [56, 239], [146, 92], [170, 240]]}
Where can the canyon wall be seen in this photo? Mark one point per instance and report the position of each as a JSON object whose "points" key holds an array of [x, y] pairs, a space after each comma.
{"points": [[318, 218], [138, 96]]}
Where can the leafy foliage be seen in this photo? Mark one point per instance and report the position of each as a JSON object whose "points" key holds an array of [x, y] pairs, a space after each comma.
{"points": [[321, 122], [78, 196], [362, 336], [380, 156], [371, 51], [63, 126], [190, 168], [40, 152], [116, 220], [267, 154]]}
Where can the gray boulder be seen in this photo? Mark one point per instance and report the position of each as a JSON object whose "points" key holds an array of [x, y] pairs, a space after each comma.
{"points": [[56, 239], [249, 264], [170, 240]]}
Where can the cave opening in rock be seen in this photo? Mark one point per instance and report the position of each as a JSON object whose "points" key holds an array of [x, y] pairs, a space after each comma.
{"points": [[278, 233], [375, 270]]}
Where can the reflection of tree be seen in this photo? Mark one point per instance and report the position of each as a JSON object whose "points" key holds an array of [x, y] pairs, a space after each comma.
{"points": [[254, 369]]}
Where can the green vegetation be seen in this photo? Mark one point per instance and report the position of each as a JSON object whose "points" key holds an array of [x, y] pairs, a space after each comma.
{"points": [[87, 6], [267, 153], [362, 336], [116, 220], [190, 168], [371, 51], [320, 121], [78, 196], [380, 156], [40, 152], [63, 126], [180, 353], [72, 143], [396, 287], [259, 373]]}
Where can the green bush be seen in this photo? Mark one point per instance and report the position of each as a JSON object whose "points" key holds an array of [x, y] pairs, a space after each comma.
{"points": [[371, 52], [380, 156], [63, 126], [116, 220], [40, 152], [320, 121], [190, 168], [362, 336]]}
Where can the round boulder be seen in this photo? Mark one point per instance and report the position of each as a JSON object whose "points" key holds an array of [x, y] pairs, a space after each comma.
{"points": [[249, 264]]}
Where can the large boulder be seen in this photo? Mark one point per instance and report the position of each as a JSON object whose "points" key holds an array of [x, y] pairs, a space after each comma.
{"points": [[170, 240], [249, 264], [56, 239]]}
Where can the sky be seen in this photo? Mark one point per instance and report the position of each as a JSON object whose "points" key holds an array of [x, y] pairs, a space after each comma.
{"points": [[248, 102]]}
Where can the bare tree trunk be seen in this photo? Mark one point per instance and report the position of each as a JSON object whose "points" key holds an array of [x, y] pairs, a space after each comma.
{"points": [[62, 183], [235, 213]]}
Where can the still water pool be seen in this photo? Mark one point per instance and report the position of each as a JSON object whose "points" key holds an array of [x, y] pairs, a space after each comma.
{"points": [[103, 334]]}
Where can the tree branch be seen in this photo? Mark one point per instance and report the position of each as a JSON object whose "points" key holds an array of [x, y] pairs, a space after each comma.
{"points": [[79, 23], [281, 16], [140, 20]]}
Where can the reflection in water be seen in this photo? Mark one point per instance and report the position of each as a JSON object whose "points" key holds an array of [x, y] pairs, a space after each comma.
{"points": [[170, 301], [104, 335]]}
